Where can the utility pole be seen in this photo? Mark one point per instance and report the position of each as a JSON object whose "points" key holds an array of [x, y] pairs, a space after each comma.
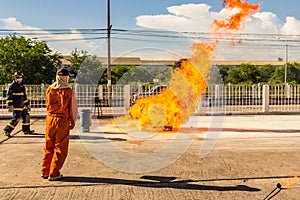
{"points": [[108, 54], [286, 63], [286, 58]]}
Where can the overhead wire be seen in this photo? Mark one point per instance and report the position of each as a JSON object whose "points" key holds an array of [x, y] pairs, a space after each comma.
{"points": [[138, 32], [136, 35]]}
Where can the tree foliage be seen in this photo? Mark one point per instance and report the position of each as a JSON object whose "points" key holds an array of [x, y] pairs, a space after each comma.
{"points": [[34, 58], [250, 74], [76, 59], [90, 71], [39, 64], [265, 73], [136, 75]]}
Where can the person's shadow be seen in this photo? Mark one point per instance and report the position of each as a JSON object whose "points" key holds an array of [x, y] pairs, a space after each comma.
{"points": [[158, 182]]}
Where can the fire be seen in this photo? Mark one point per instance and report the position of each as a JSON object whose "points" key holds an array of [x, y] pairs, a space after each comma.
{"points": [[154, 112], [179, 101], [174, 106], [234, 21], [286, 184]]}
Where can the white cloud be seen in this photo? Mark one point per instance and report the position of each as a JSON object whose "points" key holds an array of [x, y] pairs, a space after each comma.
{"points": [[191, 11], [262, 22], [12, 23], [63, 43], [187, 17], [292, 26], [199, 18]]}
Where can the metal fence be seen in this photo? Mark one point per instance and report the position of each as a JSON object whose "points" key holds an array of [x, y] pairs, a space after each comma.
{"points": [[218, 99]]}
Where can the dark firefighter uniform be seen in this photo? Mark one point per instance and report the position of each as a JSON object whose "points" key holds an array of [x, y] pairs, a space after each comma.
{"points": [[18, 103]]}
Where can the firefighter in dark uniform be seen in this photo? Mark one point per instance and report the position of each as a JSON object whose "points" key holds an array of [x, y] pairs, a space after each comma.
{"points": [[18, 103]]}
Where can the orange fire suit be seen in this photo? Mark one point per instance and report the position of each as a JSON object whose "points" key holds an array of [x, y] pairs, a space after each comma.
{"points": [[61, 116]]}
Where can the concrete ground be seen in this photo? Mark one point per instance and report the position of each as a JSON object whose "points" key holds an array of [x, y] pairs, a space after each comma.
{"points": [[219, 157]]}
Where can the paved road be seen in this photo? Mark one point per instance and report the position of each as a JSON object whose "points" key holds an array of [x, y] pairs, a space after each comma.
{"points": [[232, 157]]}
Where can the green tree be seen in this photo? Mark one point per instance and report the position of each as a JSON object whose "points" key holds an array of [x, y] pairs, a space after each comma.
{"points": [[233, 76], [293, 73], [278, 76], [34, 58], [91, 71], [249, 74], [76, 60], [243, 74], [136, 75], [117, 73], [162, 76], [297, 73], [265, 73], [223, 70]]}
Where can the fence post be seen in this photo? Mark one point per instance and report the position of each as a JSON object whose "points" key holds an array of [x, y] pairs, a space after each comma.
{"points": [[229, 91], [43, 92], [217, 95], [265, 100], [127, 96], [140, 89], [76, 89], [288, 91], [100, 92], [254, 92]]}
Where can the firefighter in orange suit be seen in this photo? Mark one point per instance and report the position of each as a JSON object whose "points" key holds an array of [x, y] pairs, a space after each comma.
{"points": [[61, 116]]}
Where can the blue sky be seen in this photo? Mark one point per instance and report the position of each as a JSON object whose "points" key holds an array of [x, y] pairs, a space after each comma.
{"points": [[79, 14], [143, 14]]}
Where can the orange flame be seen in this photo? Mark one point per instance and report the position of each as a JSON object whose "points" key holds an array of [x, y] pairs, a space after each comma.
{"points": [[173, 106], [286, 184], [234, 21], [179, 101]]}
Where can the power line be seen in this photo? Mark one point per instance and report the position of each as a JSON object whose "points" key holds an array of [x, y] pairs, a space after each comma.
{"points": [[150, 35], [155, 32]]}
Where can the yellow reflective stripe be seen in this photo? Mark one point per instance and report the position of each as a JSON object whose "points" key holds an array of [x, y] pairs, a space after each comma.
{"points": [[20, 93], [21, 108], [9, 101], [26, 124], [10, 125], [26, 101]]}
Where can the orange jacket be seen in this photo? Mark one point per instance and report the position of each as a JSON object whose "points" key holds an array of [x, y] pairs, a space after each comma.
{"points": [[62, 103]]}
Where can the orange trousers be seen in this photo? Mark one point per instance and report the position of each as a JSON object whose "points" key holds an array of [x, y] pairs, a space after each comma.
{"points": [[57, 138]]}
